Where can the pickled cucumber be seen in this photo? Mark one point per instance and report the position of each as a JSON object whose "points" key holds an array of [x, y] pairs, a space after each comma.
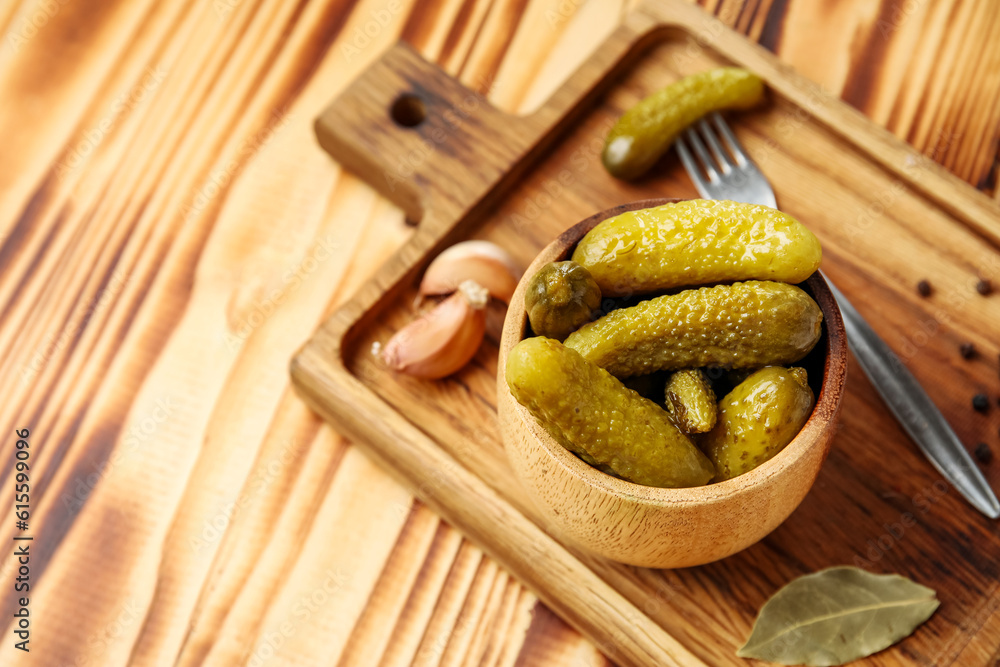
{"points": [[690, 401], [594, 415], [742, 325], [757, 419], [696, 242], [646, 131], [559, 298]]}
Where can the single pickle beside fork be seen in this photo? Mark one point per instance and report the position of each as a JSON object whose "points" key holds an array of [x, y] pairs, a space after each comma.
{"points": [[645, 132]]}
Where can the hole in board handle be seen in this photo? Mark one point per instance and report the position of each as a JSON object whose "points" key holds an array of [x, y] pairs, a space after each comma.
{"points": [[408, 110]]}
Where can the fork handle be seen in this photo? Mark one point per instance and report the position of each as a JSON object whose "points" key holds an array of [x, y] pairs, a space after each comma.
{"points": [[914, 409]]}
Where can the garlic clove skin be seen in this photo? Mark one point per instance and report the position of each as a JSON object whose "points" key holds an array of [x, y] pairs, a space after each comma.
{"points": [[486, 263], [444, 339]]}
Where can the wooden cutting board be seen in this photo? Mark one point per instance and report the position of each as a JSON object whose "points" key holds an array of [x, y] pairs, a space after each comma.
{"points": [[887, 217]]}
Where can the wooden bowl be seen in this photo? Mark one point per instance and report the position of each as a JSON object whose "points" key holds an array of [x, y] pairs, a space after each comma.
{"points": [[667, 528]]}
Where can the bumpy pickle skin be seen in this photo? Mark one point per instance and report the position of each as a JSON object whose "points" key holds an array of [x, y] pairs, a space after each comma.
{"points": [[757, 420], [595, 416], [690, 401], [697, 242], [645, 132], [743, 325], [559, 298]]}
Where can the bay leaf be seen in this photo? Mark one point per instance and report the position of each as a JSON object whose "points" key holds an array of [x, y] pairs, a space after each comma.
{"points": [[837, 615]]}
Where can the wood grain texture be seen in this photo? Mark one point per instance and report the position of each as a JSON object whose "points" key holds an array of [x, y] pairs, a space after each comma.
{"points": [[858, 188], [171, 234]]}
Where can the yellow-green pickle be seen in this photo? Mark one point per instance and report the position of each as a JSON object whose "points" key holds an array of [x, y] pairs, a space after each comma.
{"points": [[757, 420], [743, 325], [559, 298], [594, 415], [697, 242], [690, 401], [645, 132]]}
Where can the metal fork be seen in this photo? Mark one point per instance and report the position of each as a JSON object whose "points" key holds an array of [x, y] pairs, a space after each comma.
{"points": [[721, 169]]}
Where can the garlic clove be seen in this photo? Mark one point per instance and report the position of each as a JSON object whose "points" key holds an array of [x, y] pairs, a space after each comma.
{"points": [[486, 263], [444, 339]]}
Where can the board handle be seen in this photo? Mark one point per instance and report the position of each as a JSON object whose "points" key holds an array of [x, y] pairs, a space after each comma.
{"points": [[421, 138], [435, 148]]}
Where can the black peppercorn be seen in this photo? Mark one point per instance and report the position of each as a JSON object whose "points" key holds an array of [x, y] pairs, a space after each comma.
{"points": [[924, 288], [967, 350], [984, 286], [980, 402], [983, 453]]}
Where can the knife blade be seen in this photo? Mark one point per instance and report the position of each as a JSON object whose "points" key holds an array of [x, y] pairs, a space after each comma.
{"points": [[915, 410]]}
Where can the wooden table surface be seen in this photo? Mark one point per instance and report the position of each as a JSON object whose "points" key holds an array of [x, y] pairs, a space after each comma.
{"points": [[171, 233]]}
